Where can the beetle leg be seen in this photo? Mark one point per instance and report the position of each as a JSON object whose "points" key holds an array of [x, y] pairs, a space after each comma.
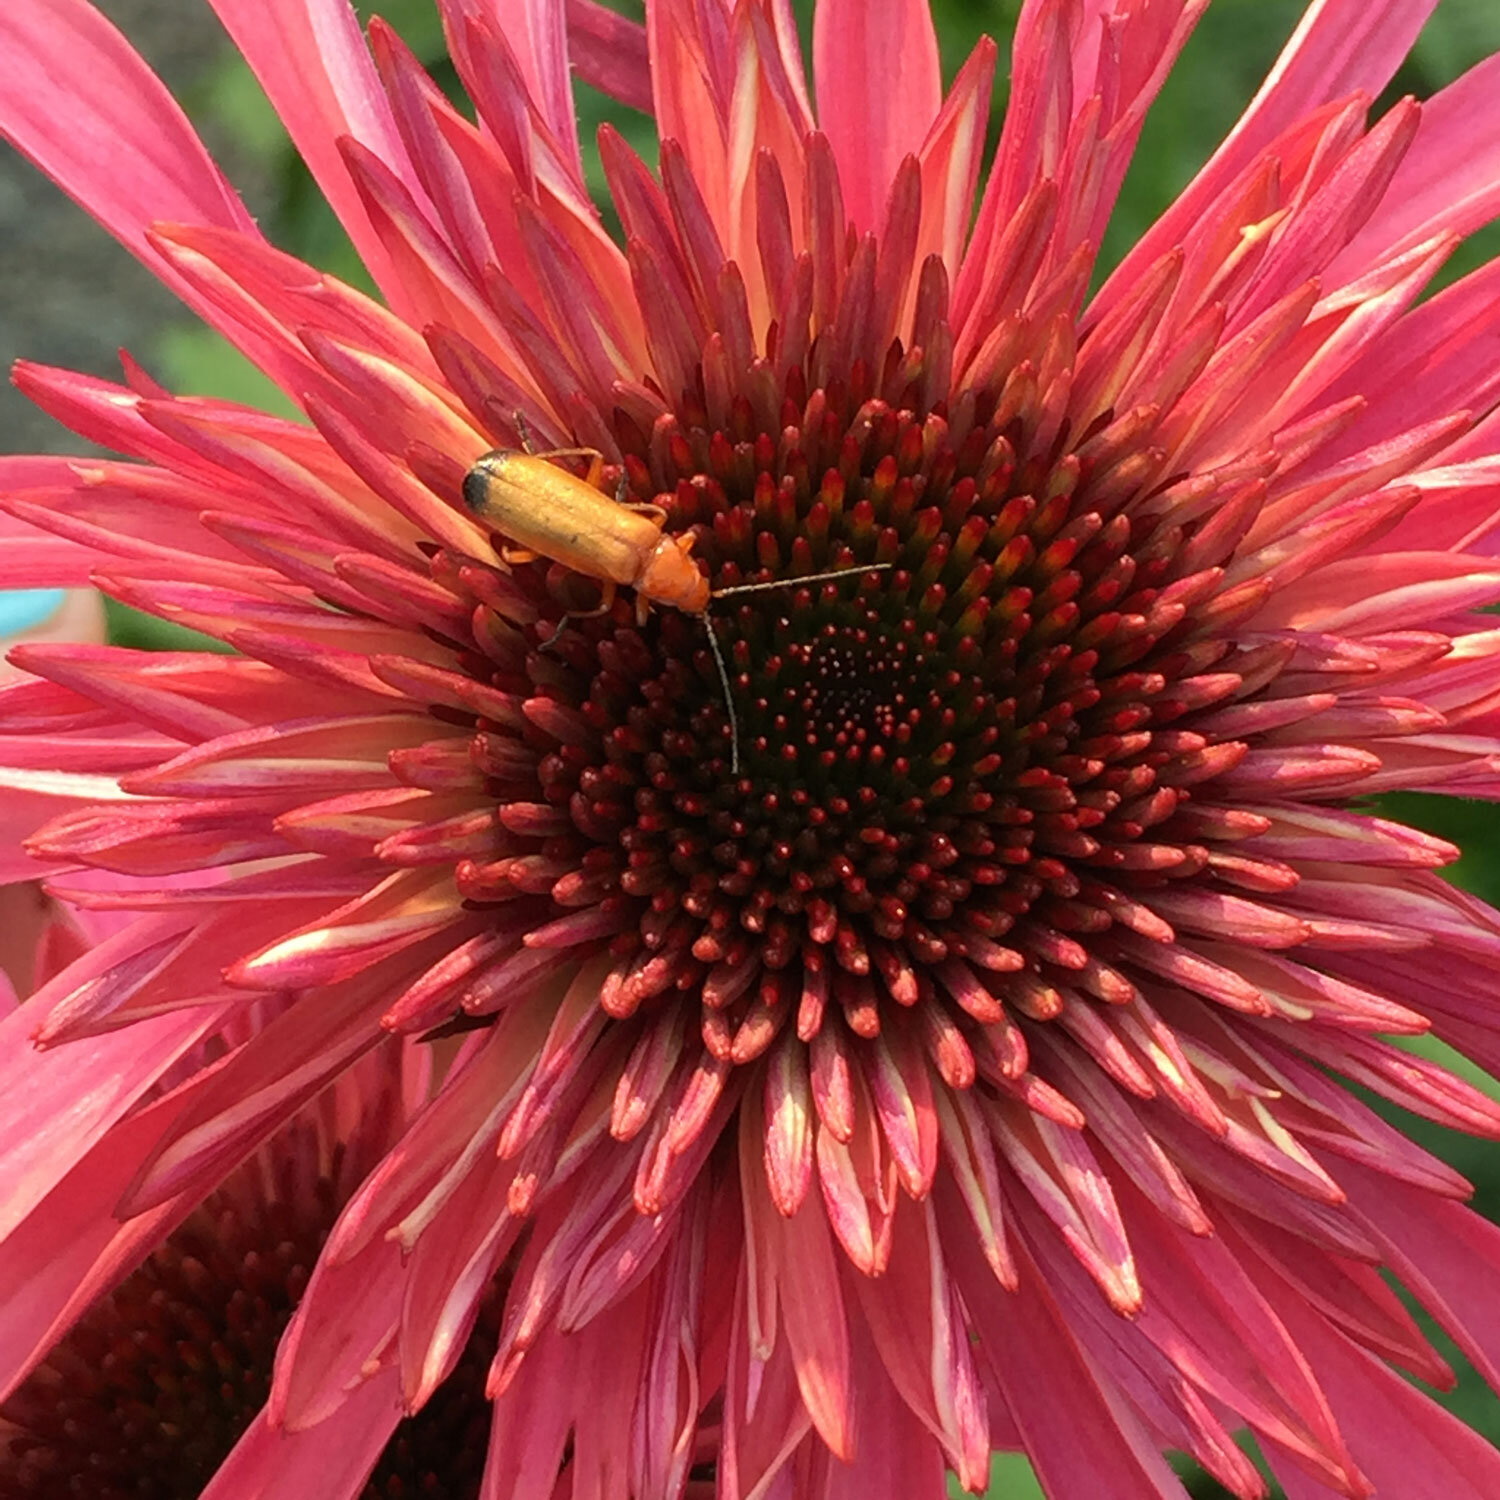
{"points": [[594, 456], [523, 430], [646, 508], [518, 555], [604, 606]]}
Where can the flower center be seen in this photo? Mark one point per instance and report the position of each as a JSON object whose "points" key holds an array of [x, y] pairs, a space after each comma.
{"points": [[959, 740]]}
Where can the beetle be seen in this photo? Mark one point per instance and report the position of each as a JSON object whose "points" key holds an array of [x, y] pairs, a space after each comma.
{"points": [[551, 512]]}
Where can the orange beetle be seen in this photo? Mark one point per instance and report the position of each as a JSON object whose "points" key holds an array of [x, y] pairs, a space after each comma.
{"points": [[552, 513]]}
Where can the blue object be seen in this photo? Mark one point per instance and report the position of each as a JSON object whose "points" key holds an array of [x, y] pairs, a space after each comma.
{"points": [[23, 609]]}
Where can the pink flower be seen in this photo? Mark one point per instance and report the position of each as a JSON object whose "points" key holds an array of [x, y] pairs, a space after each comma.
{"points": [[925, 1036], [167, 1372]]}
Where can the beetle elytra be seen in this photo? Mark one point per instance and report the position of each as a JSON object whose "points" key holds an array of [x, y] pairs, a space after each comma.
{"points": [[551, 513]]}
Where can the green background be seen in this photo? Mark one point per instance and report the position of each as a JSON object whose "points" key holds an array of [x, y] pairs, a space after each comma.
{"points": [[1224, 62]]}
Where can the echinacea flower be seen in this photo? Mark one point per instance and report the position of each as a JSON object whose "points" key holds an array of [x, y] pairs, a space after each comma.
{"points": [[167, 1371], [931, 1034]]}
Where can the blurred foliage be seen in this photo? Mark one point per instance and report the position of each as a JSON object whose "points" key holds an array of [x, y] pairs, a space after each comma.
{"points": [[1222, 66], [143, 632], [1011, 1479]]}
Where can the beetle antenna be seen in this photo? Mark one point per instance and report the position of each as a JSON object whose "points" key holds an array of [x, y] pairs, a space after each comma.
{"points": [[791, 583], [523, 430], [718, 651], [734, 723]]}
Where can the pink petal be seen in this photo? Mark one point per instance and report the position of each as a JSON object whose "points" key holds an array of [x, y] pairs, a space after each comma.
{"points": [[1122, 58], [29, 798], [609, 52], [58, 1103], [344, 1325], [120, 146], [401, 910], [311, 60], [1205, 1314], [1405, 1443], [894, 1455], [448, 1272], [764, 1417], [537, 31], [71, 1247], [466, 1115], [798, 1258], [1446, 1254], [189, 695], [303, 755], [879, 88], [266, 1081], [689, 94], [1449, 180], [331, 1461], [1102, 1449], [951, 159], [531, 1422], [1438, 359], [32, 558], [1342, 47], [606, 1355], [915, 1329]]}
